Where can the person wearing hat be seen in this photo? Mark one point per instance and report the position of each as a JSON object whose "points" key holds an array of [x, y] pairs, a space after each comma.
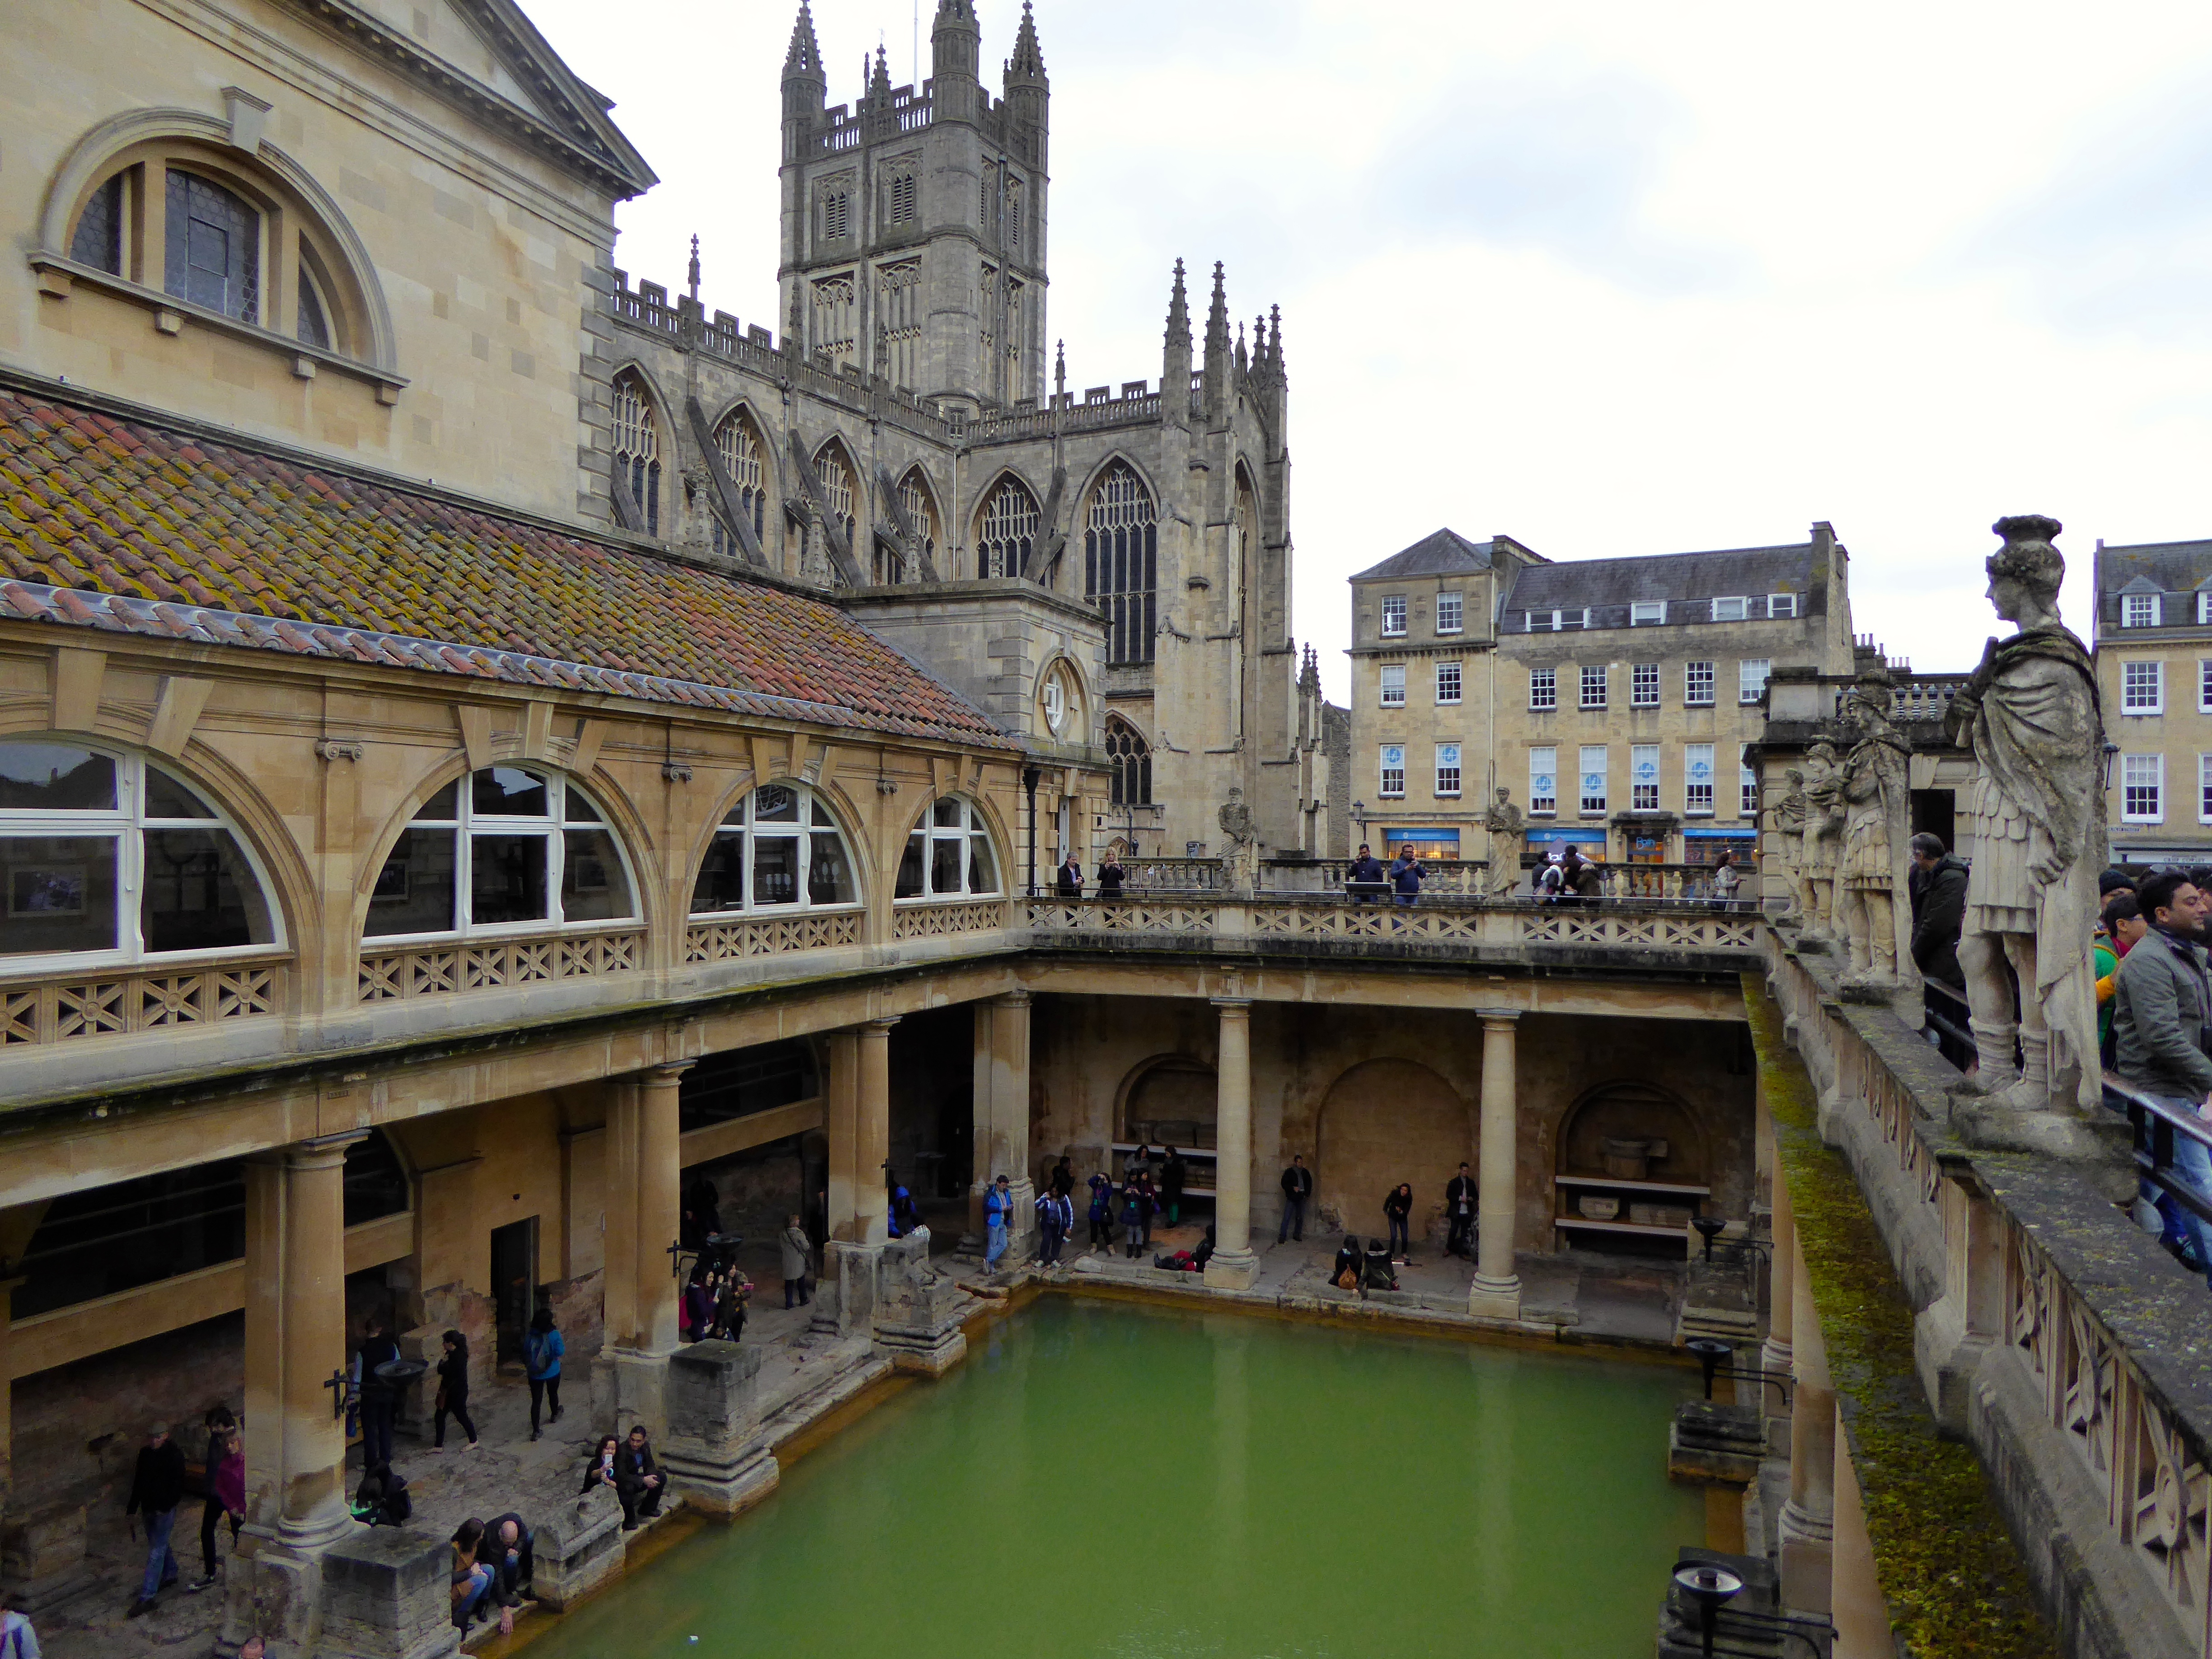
{"points": [[157, 1486]]}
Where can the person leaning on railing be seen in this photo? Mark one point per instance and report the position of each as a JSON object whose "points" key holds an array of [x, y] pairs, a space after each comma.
{"points": [[2160, 1005]]}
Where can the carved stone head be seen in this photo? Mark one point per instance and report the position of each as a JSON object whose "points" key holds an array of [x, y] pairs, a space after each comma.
{"points": [[2027, 568]]}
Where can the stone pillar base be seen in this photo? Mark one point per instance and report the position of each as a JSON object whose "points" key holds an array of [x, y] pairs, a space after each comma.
{"points": [[1231, 1270], [642, 1392], [42, 1557], [716, 1461], [1494, 1298], [579, 1548], [914, 1318], [1808, 1563], [384, 1596], [723, 1491], [274, 1592], [845, 1299]]}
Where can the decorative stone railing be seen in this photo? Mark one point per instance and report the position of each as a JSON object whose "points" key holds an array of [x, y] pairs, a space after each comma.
{"points": [[117, 1002], [1271, 921], [430, 970], [768, 936], [935, 920]]}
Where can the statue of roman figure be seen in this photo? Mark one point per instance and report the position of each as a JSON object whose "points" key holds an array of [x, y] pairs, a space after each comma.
{"points": [[1823, 839], [1870, 892], [1503, 822], [2030, 716], [1786, 816]]}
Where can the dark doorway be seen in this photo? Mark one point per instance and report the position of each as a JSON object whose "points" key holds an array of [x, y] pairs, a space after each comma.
{"points": [[515, 1283], [1935, 812]]}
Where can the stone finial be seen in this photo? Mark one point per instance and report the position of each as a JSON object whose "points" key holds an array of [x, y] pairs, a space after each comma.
{"points": [[693, 272], [1027, 61], [1179, 310], [1217, 316], [804, 57], [879, 78]]}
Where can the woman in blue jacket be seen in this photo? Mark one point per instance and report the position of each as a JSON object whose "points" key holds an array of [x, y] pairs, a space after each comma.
{"points": [[542, 1350]]}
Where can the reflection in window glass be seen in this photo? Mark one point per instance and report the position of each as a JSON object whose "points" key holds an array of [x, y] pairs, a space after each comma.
{"points": [[778, 847], [593, 887], [414, 891], [60, 894], [829, 874], [197, 893], [509, 792], [775, 870], [949, 853], [51, 777], [506, 879]]}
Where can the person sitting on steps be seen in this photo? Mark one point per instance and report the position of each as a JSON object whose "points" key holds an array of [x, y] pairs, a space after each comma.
{"points": [[638, 1480]]}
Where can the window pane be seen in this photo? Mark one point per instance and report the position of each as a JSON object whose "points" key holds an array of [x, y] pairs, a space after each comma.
{"points": [[945, 858], [213, 251], [167, 798], [947, 814], [506, 879], [51, 777], [982, 867], [576, 808], [199, 893], [828, 873], [775, 870], [60, 894], [592, 885], [722, 884], [442, 805], [413, 891], [909, 885], [775, 804], [510, 792]]}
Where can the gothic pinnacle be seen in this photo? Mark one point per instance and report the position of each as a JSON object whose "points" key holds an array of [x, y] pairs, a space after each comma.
{"points": [[693, 272], [1179, 309], [1217, 316], [1028, 59], [804, 57], [879, 78]]}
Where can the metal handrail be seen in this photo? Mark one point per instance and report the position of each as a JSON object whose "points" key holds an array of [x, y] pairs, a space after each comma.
{"points": [[2155, 1124]]}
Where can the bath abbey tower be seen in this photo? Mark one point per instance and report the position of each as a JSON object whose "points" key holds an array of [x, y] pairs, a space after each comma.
{"points": [[1106, 572]]}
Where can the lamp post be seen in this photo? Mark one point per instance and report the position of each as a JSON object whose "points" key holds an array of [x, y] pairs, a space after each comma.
{"points": [[1710, 1588], [1359, 812]]}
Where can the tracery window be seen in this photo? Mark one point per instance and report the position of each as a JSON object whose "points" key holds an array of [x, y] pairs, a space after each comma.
{"points": [[948, 855], [836, 213], [98, 239], [1013, 213], [838, 490], [1005, 534], [507, 849], [313, 324], [779, 847], [106, 858], [989, 194], [1129, 758], [214, 251], [836, 317], [920, 509], [738, 447], [898, 312], [1120, 563], [899, 199], [637, 450]]}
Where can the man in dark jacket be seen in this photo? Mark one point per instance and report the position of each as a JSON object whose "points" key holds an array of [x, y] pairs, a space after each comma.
{"points": [[1367, 878], [1459, 1205], [380, 1400], [1939, 906], [1298, 1188], [507, 1551], [157, 1486], [1069, 882], [2159, 1007], [638, 1480]]}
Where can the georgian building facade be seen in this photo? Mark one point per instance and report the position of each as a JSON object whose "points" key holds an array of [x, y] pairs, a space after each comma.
{"points": [[2154, 655]]}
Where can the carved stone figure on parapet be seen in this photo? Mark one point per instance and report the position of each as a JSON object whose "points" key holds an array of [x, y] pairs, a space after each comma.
{"points": [[1823, 837], [1240, 850], [1502, 818], [2036, 812], [1786, 817], [1871, 886]]}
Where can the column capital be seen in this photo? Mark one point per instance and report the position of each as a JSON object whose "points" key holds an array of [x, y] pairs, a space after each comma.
{"points": [[1233, 1007], [321, 1152], [883, 1024], [667, 1073], [1499, 1016], [1011, 999]]}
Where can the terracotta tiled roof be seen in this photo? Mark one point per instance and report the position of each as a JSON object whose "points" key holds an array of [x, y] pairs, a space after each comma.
{"points": [[217, 543]]}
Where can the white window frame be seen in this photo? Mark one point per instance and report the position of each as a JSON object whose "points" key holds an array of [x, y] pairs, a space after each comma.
{"points": [[466, 823], [2132, 701], [1393, 616], [1746, 692], [968, 826], [2205, 685], [1643, 777], [2204, 789], [2140, 609], [1540, 622], [1544, 781], [1572, 618], [1451, 684], [1781, 606], [1746, 790], [2144, 773], [125, 824], [1593, 801], [1600, 677], [1691, 676], [814, 817], [1455, 606], [1647, 613], [1447, 771], [1734, 608], [1698, 780], [1391, 772], [1543, 689], [1644, 685], [1391, 679], [2203, 606]]}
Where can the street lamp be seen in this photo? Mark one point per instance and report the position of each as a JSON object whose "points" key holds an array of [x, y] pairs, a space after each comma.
{"points": [[1359, 812], [1710, 1588]]}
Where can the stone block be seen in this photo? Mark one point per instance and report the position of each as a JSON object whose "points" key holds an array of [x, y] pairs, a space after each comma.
{"points": [[845, 1298], [384, 1596], [916, 1310], [715, 1457], [42, 1557], [640, 1392], [577, 1549], [1711, 1443]]}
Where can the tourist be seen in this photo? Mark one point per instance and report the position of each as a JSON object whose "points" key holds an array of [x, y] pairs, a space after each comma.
{"points": [[541, 1349], [157, 1486], [2124, 921], [2160, 1010], [1406, 875], [1062, 1178], [382, 1498], [2112, 937], [1297, 1188], [998, 1214], [1726, 879], [1459, 1205], [1939, 907], [1140, 1161], [220, 1425], [380, 1400], [1589, 880], [698, 1302], [1151, 1192], [1366, 881], [638, 1480], [1175, 1170], [470, 1579], [732, 1297], [1550, 880], [1067, 880], [1110, 874], [453, 1391], [507, 1548], [1571, 866], [906, 1214], [1203, 1253], [1134, 1221], [1102, 1211], [1398, 1210], [1376, 1273], [17, 1640], [1351, 1260], [1055, 1220], [797, 1257], [253, 1647]]}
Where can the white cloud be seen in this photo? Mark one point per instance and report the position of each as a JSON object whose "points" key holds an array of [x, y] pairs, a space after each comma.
{"points": [[1614, 278]]}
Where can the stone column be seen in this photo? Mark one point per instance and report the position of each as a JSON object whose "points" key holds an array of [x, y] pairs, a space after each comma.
{"points": [[1858, 1607], [1809, 1519], [641, 1359], [618, 1307], [1497, 1288], [1002, 1118], [1782, 1275], [871, 1140], [841, 1122], [1233, 1266]]}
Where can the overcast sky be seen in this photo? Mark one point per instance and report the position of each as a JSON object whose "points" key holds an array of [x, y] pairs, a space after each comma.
{"points": [[1612, 278]]}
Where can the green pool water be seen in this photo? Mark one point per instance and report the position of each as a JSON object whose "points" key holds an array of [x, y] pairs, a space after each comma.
{"points": [[1105, 1480]]}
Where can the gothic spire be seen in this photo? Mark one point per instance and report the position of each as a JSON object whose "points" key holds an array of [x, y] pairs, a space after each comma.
{"points": [[1275, 340], [693, 272], [1179, 311], [1028, 60], [1216, 318], [1244, 362], [804, 58], [879, 80]]}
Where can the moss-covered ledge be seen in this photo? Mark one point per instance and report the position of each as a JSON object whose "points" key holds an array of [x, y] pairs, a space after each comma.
{"points": [[1950, 1574]]}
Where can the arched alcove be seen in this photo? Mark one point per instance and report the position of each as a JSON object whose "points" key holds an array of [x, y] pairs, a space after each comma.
{"points": [[1382, 1122], [1625, 1110], [1170, 1100]]}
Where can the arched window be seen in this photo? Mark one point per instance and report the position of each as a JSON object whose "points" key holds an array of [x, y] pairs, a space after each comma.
{"points": [[106, 858], [1005, 533], [214, 246], [506, 849], [920, 509], [1121, 561], [779, 848], [1130, 758], [898, 320], [948, 855], [739, 447], [838, 488], [637, 450]]}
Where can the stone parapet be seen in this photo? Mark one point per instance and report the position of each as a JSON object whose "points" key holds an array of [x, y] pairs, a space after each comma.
{"points": [[577, 1549], [384, 1596], [716, 1459], [917, 1316]]}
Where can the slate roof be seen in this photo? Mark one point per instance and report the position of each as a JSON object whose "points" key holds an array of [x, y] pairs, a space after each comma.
{"points": [[2154, 567], [1688, 581], [206, 541], [1443, 553]]}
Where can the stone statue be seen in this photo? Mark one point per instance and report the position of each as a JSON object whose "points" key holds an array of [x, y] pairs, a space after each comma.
{"points": [[2036, 813], [1503, 820], [1240, 851], [1871, 892], [1823, 838], [1787, 818]]}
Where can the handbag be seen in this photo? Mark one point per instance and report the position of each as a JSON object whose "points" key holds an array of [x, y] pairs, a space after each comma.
{"points": [[1348, 1280]]}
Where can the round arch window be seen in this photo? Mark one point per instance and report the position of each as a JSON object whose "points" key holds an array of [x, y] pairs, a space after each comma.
{"points": [[948, 855], [780, 847], [500, 850], [106, 857]]}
